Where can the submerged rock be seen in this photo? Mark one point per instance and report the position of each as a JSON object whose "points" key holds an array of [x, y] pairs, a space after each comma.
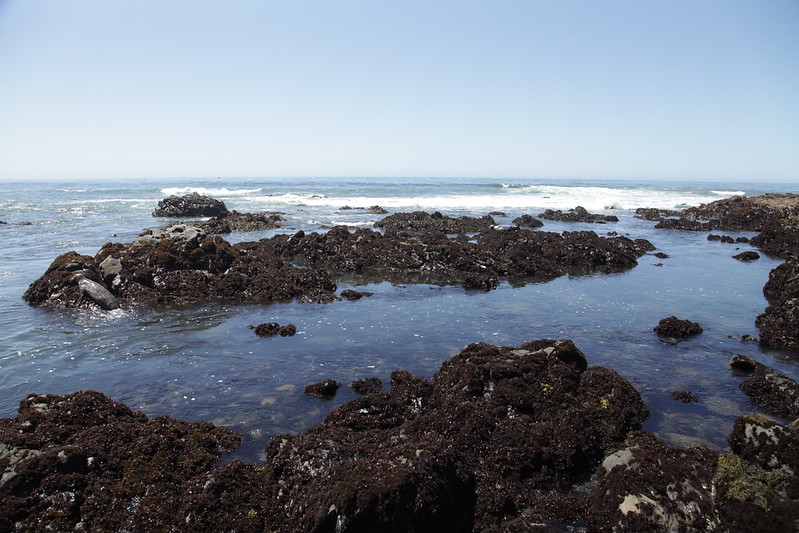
{"points": [[749, 255], [190, 205]]}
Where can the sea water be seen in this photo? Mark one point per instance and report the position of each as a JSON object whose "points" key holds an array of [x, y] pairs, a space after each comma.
{"points": [[201, 362]]}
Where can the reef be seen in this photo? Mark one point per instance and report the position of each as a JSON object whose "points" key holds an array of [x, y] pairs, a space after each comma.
{"points": [[183, 263], [578, 214]]}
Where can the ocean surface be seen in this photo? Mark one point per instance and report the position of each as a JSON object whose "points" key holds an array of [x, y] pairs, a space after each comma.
{"points": [[203, 363]]}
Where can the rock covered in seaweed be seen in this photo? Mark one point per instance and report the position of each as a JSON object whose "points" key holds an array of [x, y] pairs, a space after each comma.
{"points": [[190, 205], [737, 213], [233, 221], [779, 323], [677, 328], [83, 461], [578, 214], [422, 222]]}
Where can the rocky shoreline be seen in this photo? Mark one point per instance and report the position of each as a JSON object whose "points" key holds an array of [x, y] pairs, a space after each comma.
{"points": [[501, 439]]}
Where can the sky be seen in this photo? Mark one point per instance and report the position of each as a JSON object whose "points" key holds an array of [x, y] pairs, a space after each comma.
{"points": [[656, 89]]}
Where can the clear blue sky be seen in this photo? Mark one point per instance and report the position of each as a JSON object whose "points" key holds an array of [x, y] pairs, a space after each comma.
{"points": [[688, 89]]}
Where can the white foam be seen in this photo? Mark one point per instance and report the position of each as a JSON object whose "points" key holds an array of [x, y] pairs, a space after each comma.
{"points": [[595, 199], [223, 191]]}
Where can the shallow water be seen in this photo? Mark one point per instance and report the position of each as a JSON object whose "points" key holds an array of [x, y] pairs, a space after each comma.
{"points": [[203, 363]]}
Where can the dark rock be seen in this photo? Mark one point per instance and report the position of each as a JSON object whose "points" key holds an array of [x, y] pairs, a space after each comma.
{"points": [[649, 486], [527, 221], [367, 386], [289, 330], [84, 462], [323, 389], [181, 264], [377, 210], [497, 214], [661, 255], [721, 238], [675, 327], [480, 282], [780, 241], [231, 221], [745, 364], [421, 222], [779, 323], [682, 224], [651, 213], [351, 295], [578, 214], [267, 329], [190, 205], [684, 396], [775, 393], [747, 256]]}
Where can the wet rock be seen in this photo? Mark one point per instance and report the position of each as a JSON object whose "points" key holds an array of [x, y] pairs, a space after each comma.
{"points": [[684, 396], [267, 329], [661, 255], [682, 224], [82, 461], [377, 210], [525, 419], [352, 295], [721, 238], [677, 328], [233, 221], [421, 222], [527, 221], [747, 256], [176, 232], [480, 282], [649, 486], [745, 364], [738, 213], [367, 386], [289, 330], [776, 393], [578, 214], [780, 241], [767, 443], [779, 323], [654, 214], [323, 389], [190, 205]]}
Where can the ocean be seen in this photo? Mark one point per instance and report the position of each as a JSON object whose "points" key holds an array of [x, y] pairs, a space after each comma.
{"points": [[202, 362]]}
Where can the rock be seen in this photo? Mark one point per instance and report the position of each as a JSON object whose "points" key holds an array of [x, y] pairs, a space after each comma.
{"points": [[775, 393], [377, 210], [84, 462], [675, 327], [661, 255], [289, 330], [684, 396], [649, 486], [367, 386], [480, 282], [745, 364], [233, 221], [267, 329], [747, 256], [527, 419], [527, 221], [351, 295], [651, 213], [177, 232], [779, 323], [190, 205], [323, 389], [578, 214], [421, 222], [721, 238], [181, 264], [780, 240], [737, 213], [682, 224]]}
